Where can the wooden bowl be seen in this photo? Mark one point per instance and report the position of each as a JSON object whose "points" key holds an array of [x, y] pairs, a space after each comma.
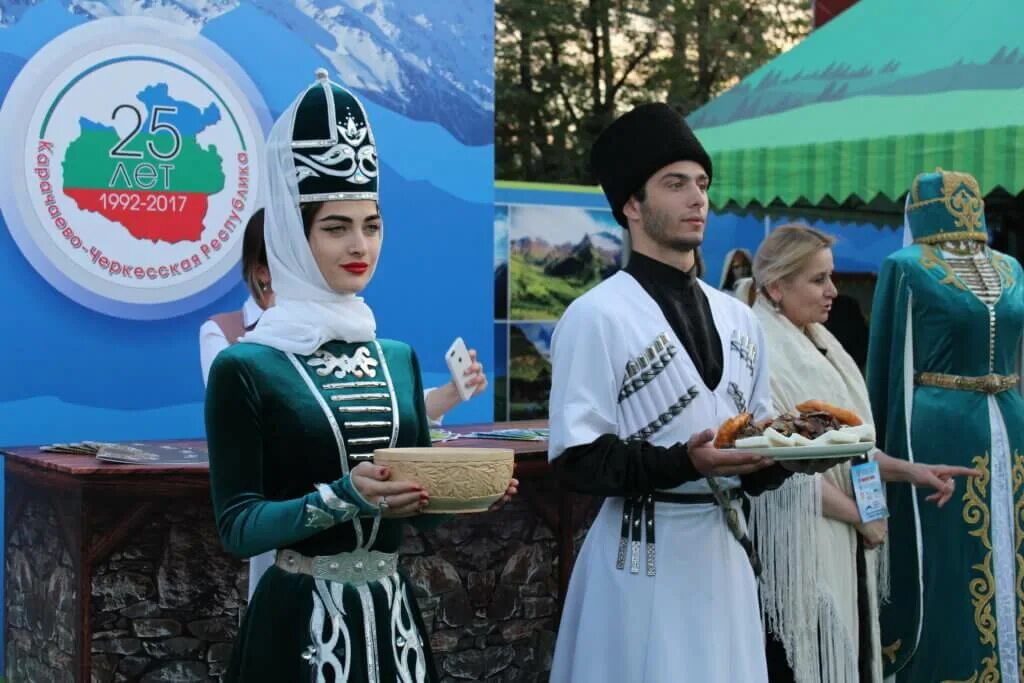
{"points": [[457, 479]]}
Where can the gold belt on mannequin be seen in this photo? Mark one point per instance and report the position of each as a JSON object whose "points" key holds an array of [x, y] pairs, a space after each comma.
{"points": [[988, 384]]}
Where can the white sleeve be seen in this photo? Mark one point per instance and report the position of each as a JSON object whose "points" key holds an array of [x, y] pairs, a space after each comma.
{"points": [[761, 392], [433, 423], [584, 391], [211, 342]]}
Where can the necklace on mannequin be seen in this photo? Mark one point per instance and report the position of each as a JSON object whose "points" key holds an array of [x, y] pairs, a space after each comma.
{"points": [[962, 247], [972, 265]]}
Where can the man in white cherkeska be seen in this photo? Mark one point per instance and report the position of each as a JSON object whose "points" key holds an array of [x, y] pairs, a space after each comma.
{"points": [[645, 366]]}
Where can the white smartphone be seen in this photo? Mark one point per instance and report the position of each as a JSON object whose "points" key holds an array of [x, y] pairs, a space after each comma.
{"points": [[458, 360]]}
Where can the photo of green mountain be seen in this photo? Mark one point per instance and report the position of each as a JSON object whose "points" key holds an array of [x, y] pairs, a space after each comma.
{"points": [[529, 370], [556, 253]]}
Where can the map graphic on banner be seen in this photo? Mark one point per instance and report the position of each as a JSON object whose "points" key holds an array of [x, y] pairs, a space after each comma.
{"points": [[133, 181], [90, 171], [424, 71]]}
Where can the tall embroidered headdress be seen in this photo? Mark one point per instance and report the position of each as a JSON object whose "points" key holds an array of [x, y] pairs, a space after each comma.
{"points": [[946, 206], [334, 149]]}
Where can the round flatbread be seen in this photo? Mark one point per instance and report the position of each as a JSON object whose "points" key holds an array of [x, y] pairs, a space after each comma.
{"points": [[847, 417], [726, 436]]}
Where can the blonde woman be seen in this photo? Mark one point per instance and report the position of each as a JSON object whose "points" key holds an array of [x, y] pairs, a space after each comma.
{"points": [[821, 612]]}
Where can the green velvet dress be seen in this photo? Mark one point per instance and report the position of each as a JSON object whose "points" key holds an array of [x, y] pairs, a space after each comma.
{"points": [[957, 607], [278, 425]]}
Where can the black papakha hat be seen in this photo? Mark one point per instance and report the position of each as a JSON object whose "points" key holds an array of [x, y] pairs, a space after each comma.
{"points": [[636, 145]]}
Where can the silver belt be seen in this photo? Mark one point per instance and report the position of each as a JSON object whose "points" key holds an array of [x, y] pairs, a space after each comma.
{"points": [[357, 566]]}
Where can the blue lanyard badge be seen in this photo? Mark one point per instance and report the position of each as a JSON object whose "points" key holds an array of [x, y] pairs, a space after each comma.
{"points": [[869, 492]]}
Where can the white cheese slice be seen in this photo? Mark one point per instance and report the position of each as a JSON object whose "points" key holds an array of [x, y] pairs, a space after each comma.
{"points": [[777, 439], [753, 442], [840, 436], [863, 432]]}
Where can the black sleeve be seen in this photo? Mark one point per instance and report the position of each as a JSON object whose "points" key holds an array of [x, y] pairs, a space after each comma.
{"points": [[768, 479], [609, 466]]}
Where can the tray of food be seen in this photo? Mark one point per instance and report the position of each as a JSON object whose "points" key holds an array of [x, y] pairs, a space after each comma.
{"points": [[816, 430]]}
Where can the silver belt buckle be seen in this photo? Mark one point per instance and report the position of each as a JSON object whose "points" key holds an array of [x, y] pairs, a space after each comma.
{"points": [[358, 566]]}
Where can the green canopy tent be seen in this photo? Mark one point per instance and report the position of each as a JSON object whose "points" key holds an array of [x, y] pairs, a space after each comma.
{"points": [[888, 89]]}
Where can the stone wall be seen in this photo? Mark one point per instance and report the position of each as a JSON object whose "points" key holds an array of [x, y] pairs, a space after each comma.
{"points": [[166, 605], [487, 587], [41, 592]]}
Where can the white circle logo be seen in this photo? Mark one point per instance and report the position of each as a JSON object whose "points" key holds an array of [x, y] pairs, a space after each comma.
{"points": [[135, 159]]}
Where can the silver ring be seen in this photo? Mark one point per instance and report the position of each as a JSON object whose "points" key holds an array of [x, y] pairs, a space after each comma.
{"points": [[383, 504]]}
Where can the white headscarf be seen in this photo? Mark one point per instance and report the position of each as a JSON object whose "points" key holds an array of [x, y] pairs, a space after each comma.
{"points": [[727, 266], [307, 313], [908, 236]]}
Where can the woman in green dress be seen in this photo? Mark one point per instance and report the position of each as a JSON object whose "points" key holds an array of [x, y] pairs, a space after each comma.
{"points": [[943, 364], [294, 413]]}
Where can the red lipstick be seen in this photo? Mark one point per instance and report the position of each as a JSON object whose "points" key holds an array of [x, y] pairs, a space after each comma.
{"points": [[356, 267]]}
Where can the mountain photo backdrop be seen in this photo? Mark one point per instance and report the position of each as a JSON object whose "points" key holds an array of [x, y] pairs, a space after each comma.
{"points": [[556, 253], [530, 367], [544, 257]]}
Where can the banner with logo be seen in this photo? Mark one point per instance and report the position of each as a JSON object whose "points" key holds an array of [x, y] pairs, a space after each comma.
{"points": [[131, 161]]}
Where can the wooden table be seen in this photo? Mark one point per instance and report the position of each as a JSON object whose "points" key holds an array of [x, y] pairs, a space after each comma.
{"points": [[98, 506]]}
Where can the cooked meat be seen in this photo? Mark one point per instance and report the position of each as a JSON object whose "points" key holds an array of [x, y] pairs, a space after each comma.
{"points": [[814, 424], [750, 429], [810, 424]]}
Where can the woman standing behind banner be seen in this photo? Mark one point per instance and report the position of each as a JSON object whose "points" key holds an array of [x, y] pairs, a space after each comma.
{"points": [[819, 590], [224, 329], [295, 411]]}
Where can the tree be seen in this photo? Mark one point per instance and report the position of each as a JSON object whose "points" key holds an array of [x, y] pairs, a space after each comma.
{"points": [[566, 68]]}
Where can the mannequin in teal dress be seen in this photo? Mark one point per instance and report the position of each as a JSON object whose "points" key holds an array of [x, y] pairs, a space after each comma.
{"points": [[943, 359], [295, 411]]}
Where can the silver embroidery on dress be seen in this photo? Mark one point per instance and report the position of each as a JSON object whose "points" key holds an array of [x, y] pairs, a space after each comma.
{"points": [[318, 519], [359, 364], [370, 633], [335, 429], [368, 424], [369, 440], [326, 628], [396, 417], [332, 501], [355, 385], [374, 528], [406, 642], [368, 396]]}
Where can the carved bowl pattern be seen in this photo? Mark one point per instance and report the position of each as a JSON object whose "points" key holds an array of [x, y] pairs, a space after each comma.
{"points": [[458, 479]]}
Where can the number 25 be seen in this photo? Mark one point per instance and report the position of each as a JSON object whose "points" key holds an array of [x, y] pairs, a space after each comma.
{"points": [[155, 126]]}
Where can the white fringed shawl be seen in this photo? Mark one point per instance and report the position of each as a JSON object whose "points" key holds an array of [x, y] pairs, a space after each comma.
{"points": [[809, 584]]}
